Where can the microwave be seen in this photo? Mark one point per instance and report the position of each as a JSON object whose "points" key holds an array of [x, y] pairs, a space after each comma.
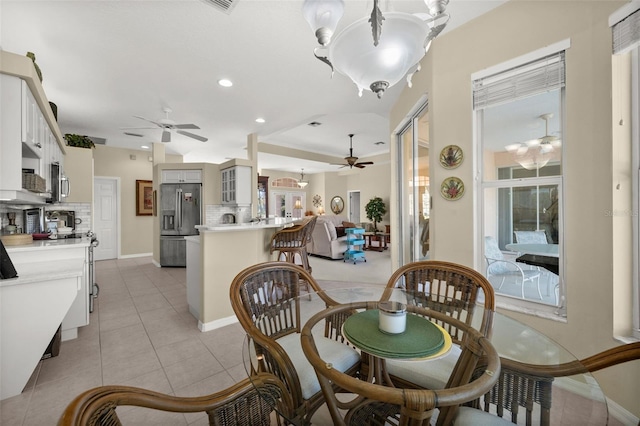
{"points": [[60, 185]]}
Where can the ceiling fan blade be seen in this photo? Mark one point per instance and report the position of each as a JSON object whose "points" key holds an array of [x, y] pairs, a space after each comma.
{"points": [[359, 165], [133, 134], [364, 163], [185, 126], [150, 121], [191, 135], [166, 136]]}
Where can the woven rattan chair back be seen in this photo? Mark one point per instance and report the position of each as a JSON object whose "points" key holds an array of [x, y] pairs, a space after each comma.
{"points": [[292, 242], [250, 402], [523, 392], [446, 287], [265, 299]]}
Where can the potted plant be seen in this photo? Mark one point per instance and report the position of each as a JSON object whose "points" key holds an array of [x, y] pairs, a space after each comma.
{"points": [[79, 141], [375, 209]]}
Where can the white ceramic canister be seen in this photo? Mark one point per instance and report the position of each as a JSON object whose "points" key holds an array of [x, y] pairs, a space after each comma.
{"points": [[392, 317]]}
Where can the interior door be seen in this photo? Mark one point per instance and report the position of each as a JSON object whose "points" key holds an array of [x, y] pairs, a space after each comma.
{"points": [[105, 217], [354, 206]]}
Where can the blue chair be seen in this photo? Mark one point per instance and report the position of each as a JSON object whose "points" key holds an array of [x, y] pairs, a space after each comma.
{"points": [[498, 266]]}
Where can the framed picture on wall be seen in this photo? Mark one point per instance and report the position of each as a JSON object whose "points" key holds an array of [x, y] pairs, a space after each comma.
{"points": [[144, 198]]}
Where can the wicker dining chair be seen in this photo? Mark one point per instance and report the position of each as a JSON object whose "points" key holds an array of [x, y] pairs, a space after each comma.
{"points": [[523, 392], [291, 243], [450, 288], [250, 402], [265, 299]]}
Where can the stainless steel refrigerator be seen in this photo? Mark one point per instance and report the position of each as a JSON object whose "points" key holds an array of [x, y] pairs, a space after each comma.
{"points": [[180, 209]]}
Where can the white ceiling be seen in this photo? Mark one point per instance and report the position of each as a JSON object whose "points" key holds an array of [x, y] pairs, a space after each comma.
{"points": [[104, 61]]}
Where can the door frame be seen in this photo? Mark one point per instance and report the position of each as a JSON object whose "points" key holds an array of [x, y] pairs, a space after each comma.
{"points": [[118, 209]]}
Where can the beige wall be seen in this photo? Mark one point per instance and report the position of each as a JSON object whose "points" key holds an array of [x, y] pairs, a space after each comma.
{"points": [[514, 29], [136, 232]]}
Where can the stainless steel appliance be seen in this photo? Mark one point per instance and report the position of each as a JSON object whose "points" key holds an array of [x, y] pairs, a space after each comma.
{"points": [[180, 210], [34, 221], [60, 218], [94, 289], [60, 185]]}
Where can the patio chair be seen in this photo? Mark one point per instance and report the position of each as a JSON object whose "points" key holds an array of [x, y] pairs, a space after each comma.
{"points": [[524, 390], [445, 287], [498, 266], [265, 299], [249, 402], [531, 237]]}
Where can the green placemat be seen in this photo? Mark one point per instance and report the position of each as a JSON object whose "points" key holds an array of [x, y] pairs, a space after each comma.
{"points": [[421, 338]]}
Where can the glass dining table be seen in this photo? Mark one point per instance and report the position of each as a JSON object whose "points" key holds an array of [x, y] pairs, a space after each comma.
{"points": [[574, 399]]}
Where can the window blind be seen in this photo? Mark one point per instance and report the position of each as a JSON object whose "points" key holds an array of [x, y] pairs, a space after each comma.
{"points": [[541, 75], [626, 33]]}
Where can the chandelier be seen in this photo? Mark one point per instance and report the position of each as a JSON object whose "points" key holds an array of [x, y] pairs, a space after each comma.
{"points": [[375, 52], [302, 183], [536, 153]]}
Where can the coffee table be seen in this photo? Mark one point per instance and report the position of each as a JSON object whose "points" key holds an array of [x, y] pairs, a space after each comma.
{"points": [[381, 237]]}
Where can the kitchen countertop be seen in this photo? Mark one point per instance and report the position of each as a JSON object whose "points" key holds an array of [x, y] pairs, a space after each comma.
{"points": [[51, 244], [33, 272], [264, 224]]}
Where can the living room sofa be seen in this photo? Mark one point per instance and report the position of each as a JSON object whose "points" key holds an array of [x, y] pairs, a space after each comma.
{"points": [[326, 241]]}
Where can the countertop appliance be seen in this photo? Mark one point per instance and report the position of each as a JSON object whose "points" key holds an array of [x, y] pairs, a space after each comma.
{"points": [[33, 221], [60, 218], [180, 212]]}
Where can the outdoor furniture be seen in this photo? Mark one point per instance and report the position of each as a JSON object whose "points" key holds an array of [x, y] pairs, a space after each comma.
{"points": [[523, 393], [450, 288], [498, 266], [249, 402], [530, 237], [265, 299]]}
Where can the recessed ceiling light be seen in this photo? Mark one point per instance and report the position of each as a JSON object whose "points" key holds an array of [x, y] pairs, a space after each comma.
{"points": [[225, 83], [260, 120], [144, 147]]}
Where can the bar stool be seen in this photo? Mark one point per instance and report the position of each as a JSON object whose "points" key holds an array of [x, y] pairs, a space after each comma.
{"points": [[291, 243]]}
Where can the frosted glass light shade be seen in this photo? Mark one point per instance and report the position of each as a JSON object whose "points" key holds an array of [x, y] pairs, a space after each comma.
{"points": [[323, 17], [401, 47]]}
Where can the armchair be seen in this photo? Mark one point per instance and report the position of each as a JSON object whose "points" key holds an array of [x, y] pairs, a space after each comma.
{"points": [[265, 299], [498, 266], [249, 402], [523, 391]]}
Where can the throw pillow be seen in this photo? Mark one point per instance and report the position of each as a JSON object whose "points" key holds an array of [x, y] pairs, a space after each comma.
{"points": [[340, 231], [348, 224], [332, 230]]}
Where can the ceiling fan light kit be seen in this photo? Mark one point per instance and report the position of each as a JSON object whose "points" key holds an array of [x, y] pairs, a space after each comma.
{"points": [[535, 153], [400, 41]]}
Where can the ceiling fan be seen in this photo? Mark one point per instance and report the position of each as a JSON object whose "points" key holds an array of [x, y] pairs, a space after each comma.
{"points": [[167, 125], [351, 160]]}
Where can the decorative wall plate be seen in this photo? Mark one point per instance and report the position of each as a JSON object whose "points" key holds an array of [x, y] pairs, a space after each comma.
{"points": [[452, 188], [451, 156]]}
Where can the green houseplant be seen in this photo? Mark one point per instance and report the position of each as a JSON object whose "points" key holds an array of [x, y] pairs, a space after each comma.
{"points": [[79, 141], [375, 209]]}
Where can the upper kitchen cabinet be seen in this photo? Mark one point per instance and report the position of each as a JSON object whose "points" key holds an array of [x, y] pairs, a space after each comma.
{"points": [[79, 170], [182, 176], [236, 185], [30, 139]]}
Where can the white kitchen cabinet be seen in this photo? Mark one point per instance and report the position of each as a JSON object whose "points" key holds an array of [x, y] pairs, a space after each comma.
{"points": [[236, 185], [62, 251], [182, 176]]}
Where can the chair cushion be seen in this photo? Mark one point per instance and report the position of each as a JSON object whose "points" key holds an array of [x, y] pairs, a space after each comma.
{"points": [[474, 417], [340, 355], [430, 374]]}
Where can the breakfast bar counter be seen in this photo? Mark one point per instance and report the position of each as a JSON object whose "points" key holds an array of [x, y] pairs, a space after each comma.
{"points": [[215, 257]]}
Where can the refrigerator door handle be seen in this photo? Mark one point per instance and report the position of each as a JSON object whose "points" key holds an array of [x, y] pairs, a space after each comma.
{"points": [[179, 209]]}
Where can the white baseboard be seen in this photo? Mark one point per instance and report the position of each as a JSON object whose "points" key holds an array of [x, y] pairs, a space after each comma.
{"points": [[621, 414], [131, 256], [219, 323]]}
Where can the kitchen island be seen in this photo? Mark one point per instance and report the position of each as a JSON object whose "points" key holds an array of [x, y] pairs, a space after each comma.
{"points": [[215, 257]]}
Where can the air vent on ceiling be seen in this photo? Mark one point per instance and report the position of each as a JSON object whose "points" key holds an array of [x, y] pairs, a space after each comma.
{"points": [[223, 5], [379, 143], [315, 124], [98, 141]]}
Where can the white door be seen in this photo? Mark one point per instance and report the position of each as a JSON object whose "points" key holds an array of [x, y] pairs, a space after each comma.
{"points": [[354, 207], [105, 217]]}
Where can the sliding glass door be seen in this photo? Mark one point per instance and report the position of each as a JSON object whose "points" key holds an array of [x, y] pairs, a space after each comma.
{"points": [[414, 193]]}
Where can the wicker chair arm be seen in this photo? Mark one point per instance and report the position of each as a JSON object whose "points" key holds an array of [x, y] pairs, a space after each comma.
{"points": [[97, 405]]}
